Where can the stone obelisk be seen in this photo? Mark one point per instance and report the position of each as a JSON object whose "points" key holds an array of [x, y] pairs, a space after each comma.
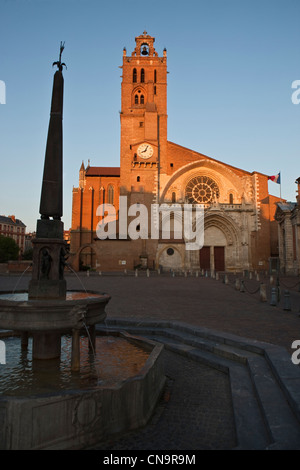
{"points": [[49, 247]]}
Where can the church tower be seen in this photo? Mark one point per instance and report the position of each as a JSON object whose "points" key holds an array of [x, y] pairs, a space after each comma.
{"points": [[143, 116]]}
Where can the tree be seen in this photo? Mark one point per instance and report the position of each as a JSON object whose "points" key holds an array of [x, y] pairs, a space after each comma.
{"points": [[9, 250]]}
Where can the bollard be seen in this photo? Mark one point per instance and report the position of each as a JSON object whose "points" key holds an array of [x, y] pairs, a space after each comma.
{"points": [[242, 289], [88, 273], [263, 292], [197, 274], [185, 274], [225, 279], [287, 301], [212, 274], [125, 271], [257, 277], [100, 273], [173, 273], [136, 273], [250, 275], [148, 273], [237, 284], [273, 297], [206, 274], [217, 276]]}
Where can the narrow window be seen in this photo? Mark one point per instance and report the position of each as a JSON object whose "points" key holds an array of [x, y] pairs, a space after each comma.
{"points": [[230, 198], [171, 165], [134, 76], [142, 100], [173, 197], [138, 179], [110, 194], [142, 75], [136, 99], [155, 89], [155, 76]]}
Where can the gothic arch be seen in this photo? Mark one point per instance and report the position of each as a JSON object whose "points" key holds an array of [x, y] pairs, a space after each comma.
{"points": [[138, 92], [226, 225], [210, 168]]}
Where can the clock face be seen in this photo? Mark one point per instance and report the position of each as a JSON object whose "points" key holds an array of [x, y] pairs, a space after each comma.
{"points": [[145, 151]]}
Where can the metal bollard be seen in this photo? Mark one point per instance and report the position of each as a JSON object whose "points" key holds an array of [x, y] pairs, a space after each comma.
{"points": [[257, 277], [250, 275], [197, 274], [148, 273], [273, 297], [136, 273], [242, 289], [206, 274], [287, 301], [237, 284], [263, 292]]}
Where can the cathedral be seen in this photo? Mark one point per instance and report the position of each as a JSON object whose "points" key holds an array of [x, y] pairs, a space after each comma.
{"points": [[239, 228]]}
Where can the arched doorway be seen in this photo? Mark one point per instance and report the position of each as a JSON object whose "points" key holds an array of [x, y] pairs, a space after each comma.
{"points": [[221, 245], [87, 258]]}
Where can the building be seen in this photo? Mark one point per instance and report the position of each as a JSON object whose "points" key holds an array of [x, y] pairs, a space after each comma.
{"points": [[13, 228], [288, 218], [240, 231]]}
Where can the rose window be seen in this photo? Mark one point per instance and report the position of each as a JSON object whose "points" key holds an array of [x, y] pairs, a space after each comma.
{"points": [[201, 190]]}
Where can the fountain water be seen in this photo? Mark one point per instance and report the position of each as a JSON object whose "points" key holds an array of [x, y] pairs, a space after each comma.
{"points": [[72, 414]]}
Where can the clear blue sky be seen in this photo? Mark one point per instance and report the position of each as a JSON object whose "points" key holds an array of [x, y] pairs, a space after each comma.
{"points": [[231, 65]]}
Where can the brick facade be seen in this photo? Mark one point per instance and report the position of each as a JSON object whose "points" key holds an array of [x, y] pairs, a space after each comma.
{"points": [[240, 229]]}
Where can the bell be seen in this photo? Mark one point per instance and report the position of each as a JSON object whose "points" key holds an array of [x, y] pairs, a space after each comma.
{"points": [[145, 51]]}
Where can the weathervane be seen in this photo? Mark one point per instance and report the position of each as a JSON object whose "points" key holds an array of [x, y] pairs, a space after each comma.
{"points": [[59, 63]]}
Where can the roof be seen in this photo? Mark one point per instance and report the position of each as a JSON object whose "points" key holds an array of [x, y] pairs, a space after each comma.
{"points": [[103, 171], [9, 220], [286, 206], [217, 161]]}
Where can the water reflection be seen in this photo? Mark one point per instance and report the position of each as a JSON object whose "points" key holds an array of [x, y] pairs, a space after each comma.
{"points": [[71, 295], [116, 360]]}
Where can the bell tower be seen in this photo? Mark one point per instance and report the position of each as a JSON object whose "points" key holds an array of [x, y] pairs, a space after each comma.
{"points": [[143, 117]]}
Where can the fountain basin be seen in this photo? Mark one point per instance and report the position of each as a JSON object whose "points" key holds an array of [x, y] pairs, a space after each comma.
{"points": [[76, 418], [19, 313]]}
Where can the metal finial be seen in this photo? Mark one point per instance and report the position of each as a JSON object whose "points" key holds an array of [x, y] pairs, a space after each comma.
{"points": [[59, 63]]}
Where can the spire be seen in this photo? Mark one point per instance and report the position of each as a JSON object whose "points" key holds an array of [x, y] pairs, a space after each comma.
{"points": [[51, 195]]}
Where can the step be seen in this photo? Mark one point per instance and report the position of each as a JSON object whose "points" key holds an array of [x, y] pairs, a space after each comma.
{"points": [[264, 384]]}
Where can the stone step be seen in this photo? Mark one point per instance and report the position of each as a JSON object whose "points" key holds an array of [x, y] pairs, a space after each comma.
{"points": [[266, 411]]}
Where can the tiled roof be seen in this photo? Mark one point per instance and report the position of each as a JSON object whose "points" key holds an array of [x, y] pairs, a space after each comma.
{"points": [[103, 171], [9, 220]]}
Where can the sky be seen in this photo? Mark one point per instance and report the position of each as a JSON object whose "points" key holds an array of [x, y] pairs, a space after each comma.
{"points": [[231, 67]]}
